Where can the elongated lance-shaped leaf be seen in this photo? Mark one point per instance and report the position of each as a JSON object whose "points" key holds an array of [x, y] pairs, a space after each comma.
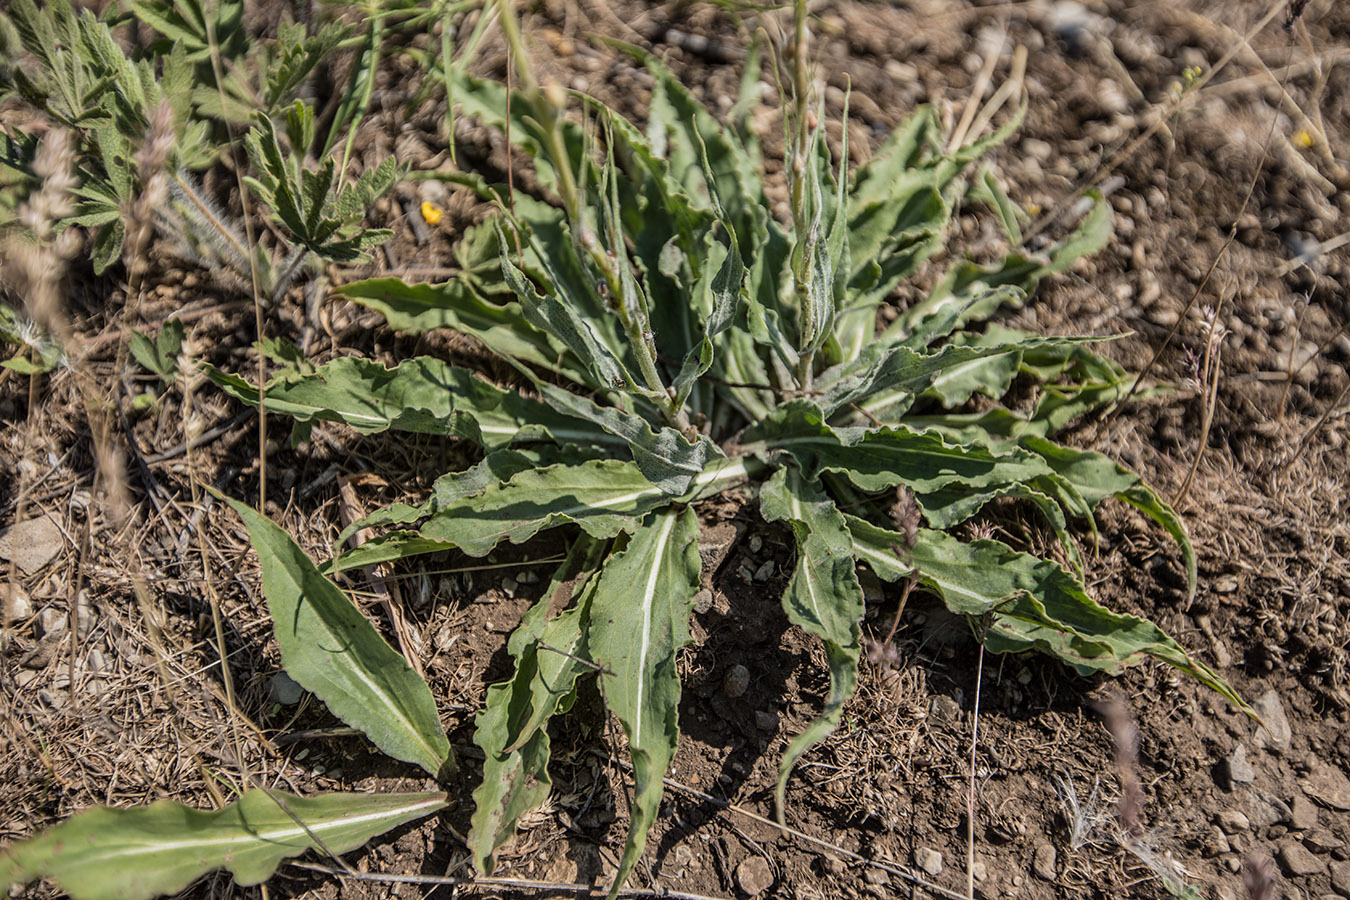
{"points": [[549, 314], [334, 652], [136, 854], [639, 621], [1036, 604], [725, 293], [512, 729], [604, 497], [504, 329], [664, 456], [884, 458], [887, 378], [1096, 477], [421, 395], [823, 597]]}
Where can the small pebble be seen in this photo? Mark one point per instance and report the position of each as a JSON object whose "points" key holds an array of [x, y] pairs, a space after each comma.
{"points": [[929, 860], [703, 601], [51, 621], [979, 871], [1232, 821], [1297, 861], [1340, 878], [754, 876], [1236, 767], [17, 605], [1302, 814], [736, 682], [1275, 731], [509, 586], [1043, 863], [756, 543], [765, 721], [765, 571]]}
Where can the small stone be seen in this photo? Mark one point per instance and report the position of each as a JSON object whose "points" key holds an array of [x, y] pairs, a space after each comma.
{"points": [[1043, 863], [51, 621], [1232, 864], [1224, 892], [31, 544], [84, 610], [979, 871], [284, 691], [509, 586], [1297, 861], [736, 682], [765, 571], [703, 601], [1225, 584], [17, 605], [1340, 878], [1275, 730], [1216, 842], [876, 876], [1236, 768], [1319, 840], [929, 860], [832, 866], [1302, 814], [945, 707], [765, 721], [756, 543], [754, 876], [1232, 821], [1328, 786]]}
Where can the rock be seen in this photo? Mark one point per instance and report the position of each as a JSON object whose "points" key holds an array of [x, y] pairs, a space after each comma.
{"points": [[1340, 878], [1319, 840], [876, 876], [1328, 786], [754, 876], [51, 621], [1225, 584], [31, 544], [1297, 861], [42, 654], [1302, 814], [929, 860], [1275, 731], [86, 614], [1232, 821], [703, 601], [283, 690], [736, 682], [17, 605], [1235, 768], [756, 543], [1216, 842], [1043, 862], [979, 871], [945, 707], [765, 571], [765, 721]]}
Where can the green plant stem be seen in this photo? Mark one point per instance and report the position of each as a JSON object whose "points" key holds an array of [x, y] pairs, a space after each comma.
{"points": [[801, 83]]}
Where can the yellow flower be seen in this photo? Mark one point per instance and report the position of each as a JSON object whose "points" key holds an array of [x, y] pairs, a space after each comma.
{"points": [[431, 213], [1302, 139]]}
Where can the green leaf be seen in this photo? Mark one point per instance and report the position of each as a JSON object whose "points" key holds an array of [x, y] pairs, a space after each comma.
{"points": [[1036, 604], [130, 854], [823, 597], [604, 497], [549, 654], [334, 652], [1097, 477], [667, 459], [421, 395], [639, 621]]}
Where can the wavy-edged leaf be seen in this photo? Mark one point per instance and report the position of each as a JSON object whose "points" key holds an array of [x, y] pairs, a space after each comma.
{"points": [[604, 497], [667, 459], [1036, 604], [334, 652], [504, 329], [422, 395], [639, 621], [823, 596], [511, 730], [130, 854], [1096, 477]]}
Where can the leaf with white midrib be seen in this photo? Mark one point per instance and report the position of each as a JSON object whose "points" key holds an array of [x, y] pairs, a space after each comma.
{"points": [[639, 621], [136, 854], [334, 652]]}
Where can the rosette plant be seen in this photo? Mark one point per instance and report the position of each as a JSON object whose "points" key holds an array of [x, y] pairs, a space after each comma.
{"points": [[673, 340]]}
